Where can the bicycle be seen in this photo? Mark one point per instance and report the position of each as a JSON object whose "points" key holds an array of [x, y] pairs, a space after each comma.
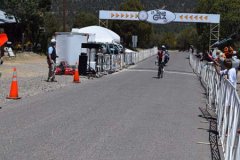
{"points": [[160, 70]]}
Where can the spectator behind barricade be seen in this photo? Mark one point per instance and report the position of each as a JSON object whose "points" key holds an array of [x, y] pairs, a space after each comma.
{"points": [[219, 54], [230, 71], [214, 53], [232, 55], [222, 57], [230, 50], [235, 61], [226, 52], [218, 57], [207, 56]]}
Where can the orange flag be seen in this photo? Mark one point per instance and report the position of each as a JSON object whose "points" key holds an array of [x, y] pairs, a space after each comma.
{"points": [[3, 39]]}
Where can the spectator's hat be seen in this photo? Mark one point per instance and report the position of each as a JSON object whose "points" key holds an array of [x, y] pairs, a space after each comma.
{"points": [[53, 41]]}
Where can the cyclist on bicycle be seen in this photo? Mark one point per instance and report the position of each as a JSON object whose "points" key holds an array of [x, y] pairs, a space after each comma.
{"points": [[161, 60], [161, 54]]}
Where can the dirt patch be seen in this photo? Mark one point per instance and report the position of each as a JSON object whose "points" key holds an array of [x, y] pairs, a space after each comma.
{"points": [[27, 65]]}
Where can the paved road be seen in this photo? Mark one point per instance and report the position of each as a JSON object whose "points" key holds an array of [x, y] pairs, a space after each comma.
{"points": [[129, 115]]}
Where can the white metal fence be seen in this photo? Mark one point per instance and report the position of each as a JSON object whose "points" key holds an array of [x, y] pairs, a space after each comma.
{"points": [[224, 99], [117, 62]]}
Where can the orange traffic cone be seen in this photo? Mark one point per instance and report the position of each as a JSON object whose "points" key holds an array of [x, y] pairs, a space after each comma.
{"points": [[76, 78], [14, 86]]}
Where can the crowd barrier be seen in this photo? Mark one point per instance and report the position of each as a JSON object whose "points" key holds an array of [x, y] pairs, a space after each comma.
{"points": [[222, 98], [116, 62]]}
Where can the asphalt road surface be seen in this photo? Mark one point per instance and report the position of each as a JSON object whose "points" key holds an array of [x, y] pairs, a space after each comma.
{"points": [[129, 115]]}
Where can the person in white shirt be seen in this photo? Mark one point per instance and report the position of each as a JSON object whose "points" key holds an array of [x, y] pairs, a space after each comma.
{"points": [[51, 60], [230, 72]]}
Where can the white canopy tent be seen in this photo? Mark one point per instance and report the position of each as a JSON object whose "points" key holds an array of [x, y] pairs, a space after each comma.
{"points": [[102, 34], [5, 18], [128, 50]]}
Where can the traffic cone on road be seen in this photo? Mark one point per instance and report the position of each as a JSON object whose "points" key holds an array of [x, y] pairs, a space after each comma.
{"points": [[14, 86], [76, 78]]}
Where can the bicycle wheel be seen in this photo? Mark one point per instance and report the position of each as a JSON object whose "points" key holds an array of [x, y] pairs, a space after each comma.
{"points": [[159, 72]]}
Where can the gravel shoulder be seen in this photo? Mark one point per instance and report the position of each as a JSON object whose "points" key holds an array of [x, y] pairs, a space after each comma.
{"points": [[32, 72]]}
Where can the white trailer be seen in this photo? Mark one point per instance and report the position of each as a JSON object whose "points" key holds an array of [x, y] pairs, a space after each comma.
{"points": [[68, 46]]}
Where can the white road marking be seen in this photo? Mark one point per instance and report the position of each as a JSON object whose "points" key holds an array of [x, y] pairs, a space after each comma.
{"points": [[151, 70]]}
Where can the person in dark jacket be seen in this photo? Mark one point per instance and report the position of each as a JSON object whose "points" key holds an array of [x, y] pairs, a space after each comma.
{"points": [[51, 60]]}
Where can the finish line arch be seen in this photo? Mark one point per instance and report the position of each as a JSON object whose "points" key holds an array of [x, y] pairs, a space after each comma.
{"points": [[159, 16]]}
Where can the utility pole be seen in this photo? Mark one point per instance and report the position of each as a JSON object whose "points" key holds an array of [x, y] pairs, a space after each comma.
{"points": [[64, 15]]}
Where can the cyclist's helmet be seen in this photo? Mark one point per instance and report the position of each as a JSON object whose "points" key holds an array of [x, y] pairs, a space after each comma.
{"points": [[163, 47]]}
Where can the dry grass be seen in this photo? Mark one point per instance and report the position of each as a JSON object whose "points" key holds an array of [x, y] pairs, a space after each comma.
{"points": [[28, 65]]}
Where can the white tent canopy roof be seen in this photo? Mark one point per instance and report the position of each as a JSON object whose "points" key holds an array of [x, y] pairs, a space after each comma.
{"points": [[128, 50], [5, 18], [102, 34]]}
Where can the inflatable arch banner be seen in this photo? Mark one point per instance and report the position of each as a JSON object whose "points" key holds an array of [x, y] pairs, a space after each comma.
{"points": [[159, 16]]}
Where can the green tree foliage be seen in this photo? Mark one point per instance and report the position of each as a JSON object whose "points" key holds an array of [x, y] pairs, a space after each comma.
{"points": [[168, 39], [84, 19], [185, 38], [229, 16], [30, 15]]}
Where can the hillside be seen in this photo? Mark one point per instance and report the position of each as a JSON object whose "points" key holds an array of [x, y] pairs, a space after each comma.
{"points": [[94, 6]]}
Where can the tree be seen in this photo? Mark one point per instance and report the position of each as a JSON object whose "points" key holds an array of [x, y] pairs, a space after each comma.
{"points": [[229, 12], [230, 20], [168, 39], [30, 14], [84, 19], [185, 38]]}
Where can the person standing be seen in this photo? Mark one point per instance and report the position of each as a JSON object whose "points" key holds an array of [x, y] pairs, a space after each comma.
{"points": [[1, 54], [51, 60], [230, 71]]}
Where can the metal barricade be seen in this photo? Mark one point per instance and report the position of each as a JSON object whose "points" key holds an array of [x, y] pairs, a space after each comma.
{"points": [[223, 97], [115, 62], [106, 62]]}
